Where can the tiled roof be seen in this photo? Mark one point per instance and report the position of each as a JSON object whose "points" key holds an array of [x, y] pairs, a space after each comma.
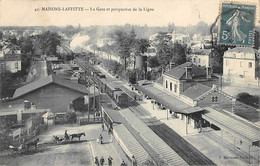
{"points": [[243, 49], [232, 124], [46, 81], [251, 52], [179, 71], [169, 101], [196, 91], [159, 80], [201, 52], [132, 144], [167, 153]]}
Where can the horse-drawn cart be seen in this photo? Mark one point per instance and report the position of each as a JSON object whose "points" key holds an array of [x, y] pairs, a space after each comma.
{"points": [[23, 147], [67, 138]]}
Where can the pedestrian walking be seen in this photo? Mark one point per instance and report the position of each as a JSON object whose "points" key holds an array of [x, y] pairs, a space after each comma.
{"points": [[96, 161], [102, 160], [103, 127], [109, 131], [101, 139], [123, 163], [110, 160], [66, 136]]}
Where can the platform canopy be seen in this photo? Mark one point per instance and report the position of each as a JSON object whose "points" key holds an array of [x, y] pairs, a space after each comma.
{"points": [[167, 100], [234, 125]]}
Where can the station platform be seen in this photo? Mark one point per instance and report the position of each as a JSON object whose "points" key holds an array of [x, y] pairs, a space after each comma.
{"points": [[106, 149], [208, 141]]}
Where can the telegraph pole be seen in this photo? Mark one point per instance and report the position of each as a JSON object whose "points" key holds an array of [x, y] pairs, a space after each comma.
{"points": [[94, 99]]}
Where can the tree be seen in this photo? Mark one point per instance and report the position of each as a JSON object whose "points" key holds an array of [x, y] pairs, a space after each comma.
{"points": [[179, 53], [248, 99], [164, 48], [218, 52], [131, 75], [202, 28], [115, 67], [6, 80], [141, 46], [46, 43], [26, 45], [153, 75], [153, 62], [13, 40], [124, 42], [1, 35]]}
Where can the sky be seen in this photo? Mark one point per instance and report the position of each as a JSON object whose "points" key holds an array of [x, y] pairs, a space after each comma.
{"points": [[179, 12]]}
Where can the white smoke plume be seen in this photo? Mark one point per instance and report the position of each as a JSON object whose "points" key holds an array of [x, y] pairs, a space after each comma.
{"points": [[79, 43]]}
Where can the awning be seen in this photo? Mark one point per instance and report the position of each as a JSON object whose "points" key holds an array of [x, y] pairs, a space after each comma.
{"points": [[113, 115], [233, 125], [168, 100]]}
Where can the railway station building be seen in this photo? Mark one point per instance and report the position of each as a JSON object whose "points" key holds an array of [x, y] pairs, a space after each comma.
{"points": [[189, 94], [184, 90]]}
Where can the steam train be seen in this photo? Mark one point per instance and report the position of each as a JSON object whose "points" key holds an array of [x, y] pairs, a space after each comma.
{"points": [[120, 97]]}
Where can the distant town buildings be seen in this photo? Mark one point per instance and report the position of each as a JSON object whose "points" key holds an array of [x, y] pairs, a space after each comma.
{"points": [[151, 51], [105, 41], [180, 38]]}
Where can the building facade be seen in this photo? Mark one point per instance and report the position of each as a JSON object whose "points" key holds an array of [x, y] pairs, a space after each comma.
{"points": [[180, 78], [52, 92], [202, 57], [241, 66], [10, 58]]}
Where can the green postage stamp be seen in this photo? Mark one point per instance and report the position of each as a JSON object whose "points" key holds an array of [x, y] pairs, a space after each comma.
{"points": [[237, 23]]}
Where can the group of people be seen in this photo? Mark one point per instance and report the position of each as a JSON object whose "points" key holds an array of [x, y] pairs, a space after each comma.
{"points": [[102, 161], [101, 139], [109, 128]]}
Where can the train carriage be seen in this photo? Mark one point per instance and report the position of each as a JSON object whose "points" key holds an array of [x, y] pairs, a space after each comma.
{"points": [[121, 97]]}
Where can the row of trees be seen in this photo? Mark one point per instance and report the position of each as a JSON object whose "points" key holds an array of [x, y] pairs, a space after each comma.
{"points": [[126, 45]]}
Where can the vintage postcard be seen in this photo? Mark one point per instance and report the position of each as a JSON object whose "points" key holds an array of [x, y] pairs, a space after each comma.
{"points": [[129, 82]]}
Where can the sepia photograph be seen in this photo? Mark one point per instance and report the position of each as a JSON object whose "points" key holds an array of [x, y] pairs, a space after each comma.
{"points": [[129, 82]]}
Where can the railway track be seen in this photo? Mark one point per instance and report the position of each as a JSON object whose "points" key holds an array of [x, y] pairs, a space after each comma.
{"points": [[183, 148]]}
